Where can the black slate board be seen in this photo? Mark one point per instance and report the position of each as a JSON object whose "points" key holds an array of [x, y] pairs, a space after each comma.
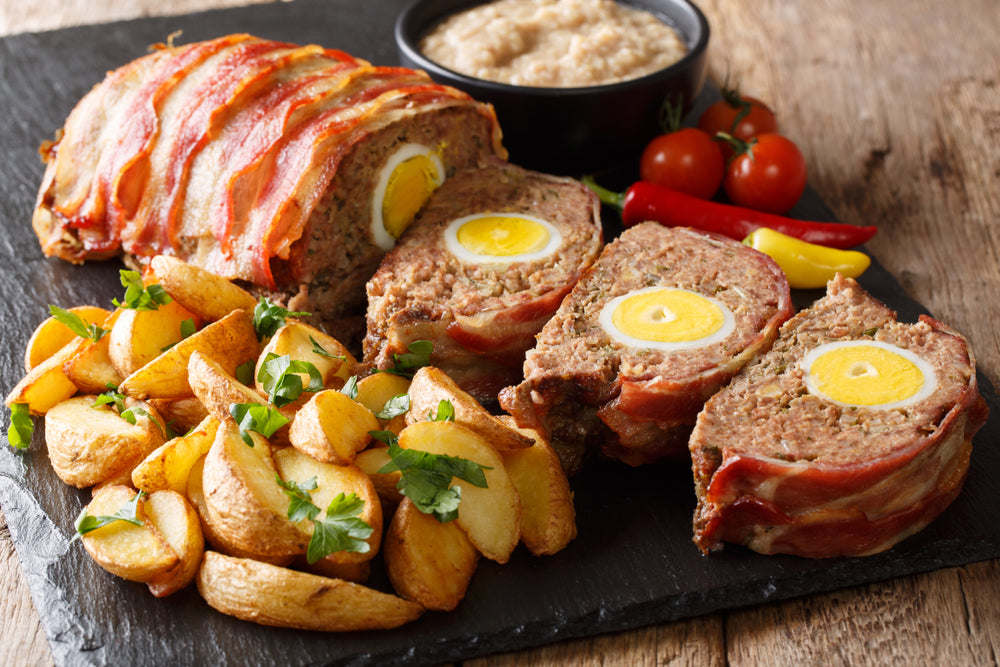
{"points": [[633, 563]]}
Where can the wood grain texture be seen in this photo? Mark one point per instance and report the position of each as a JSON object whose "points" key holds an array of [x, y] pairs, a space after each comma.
{"points": [[896, 106]]}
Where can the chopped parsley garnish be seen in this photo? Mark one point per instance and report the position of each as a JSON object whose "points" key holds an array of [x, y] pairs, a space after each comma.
{"points": [[395, 406], [321, 351], [280, 377], [113, 397], [445, 412], [407, 364], [138, 296], [77, 324], [129, 512], [256, 417], [425, 478], [268, 317], [244, 372], [21, 427], [350, 388], [339, 530]]}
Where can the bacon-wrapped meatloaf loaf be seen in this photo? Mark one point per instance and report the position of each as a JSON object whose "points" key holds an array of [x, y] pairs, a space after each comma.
{"points": [[292, 168], [853, 432]]}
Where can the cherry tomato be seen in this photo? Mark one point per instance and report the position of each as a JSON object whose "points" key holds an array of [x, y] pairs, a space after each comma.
{"points": [[738, 116], [769, 175], [688, 160]]}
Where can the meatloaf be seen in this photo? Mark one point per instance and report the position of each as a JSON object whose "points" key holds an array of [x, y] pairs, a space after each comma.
{"points": [[253, 158], [481, 312], [636, 400], [783, 464]]}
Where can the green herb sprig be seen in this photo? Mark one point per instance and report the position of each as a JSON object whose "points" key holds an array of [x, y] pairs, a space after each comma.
{"points": [[77, 324], [268, 317], [21, 426], [340, 529], [128, 512], [138, 296]]}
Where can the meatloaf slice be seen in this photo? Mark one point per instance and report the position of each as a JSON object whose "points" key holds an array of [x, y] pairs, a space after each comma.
{"points": [[783, 466], [481, 315], [637, 401]]}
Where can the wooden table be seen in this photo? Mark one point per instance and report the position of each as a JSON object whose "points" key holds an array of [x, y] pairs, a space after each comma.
{"points": [[896, 106]]}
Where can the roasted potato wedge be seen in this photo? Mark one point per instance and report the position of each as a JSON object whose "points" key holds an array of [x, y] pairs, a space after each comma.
{"points": [[548, 518], [137, 553], [295, 339], [230, 342], [332, 427], [428, 562], [205, 294], [169, 465], [356, 572], [177, 521], [332, 480], [490, 516], [139, 336], [377, 389], [431, 385], [52, 335], [371, 461], [46, 384], [88, 445], [271, 595], [90, 369], [181, 414], [244, 503]]}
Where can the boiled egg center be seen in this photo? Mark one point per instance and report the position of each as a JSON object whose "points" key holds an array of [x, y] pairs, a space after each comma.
{"points": [[501, 238], [868, 373], [406, 181], [666, 318]]}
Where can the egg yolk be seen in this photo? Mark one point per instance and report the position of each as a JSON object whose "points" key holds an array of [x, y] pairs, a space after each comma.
{"points": [[409, 187], [666, 318], [502, 236], [870, 374]]}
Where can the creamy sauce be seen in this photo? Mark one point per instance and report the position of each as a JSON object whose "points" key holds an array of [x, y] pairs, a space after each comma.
{"points": [[554, 43]]}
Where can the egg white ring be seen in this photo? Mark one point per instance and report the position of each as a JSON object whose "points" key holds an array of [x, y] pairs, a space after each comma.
{"points": [[606, 320], [382, 238], [928, 388], [465, 255]]}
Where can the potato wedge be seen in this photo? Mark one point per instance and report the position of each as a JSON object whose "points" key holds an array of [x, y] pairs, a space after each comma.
{"points": [[87, 444], [90, 369], [332, 480], [490, 516], [196, 496], [52, 335], [432, 385], [244, 502], [371, 461], [137, 553], [205, 294], [271, 595], [177, 521], [230, 342], [428, 562], [181, 414], [332, 427], [356, 572], [139, 336], [548, 518], [46, 384], [296, 340], [169, 465], [375, 390]]}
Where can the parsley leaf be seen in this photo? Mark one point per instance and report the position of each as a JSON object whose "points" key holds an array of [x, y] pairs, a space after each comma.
{"points": [[256, 417], [77, 324], [21, 427], [128, 414], [281, 379], [407, 364], [445, 412], [425, 479], [244, 372], [268, 317], [350, 388], [395, 406], [321, 351], [129, 512], [139, 297], [339, 530]]}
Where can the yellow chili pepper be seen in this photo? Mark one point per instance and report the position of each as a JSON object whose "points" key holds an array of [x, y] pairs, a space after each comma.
{"points": [[807, 265]]}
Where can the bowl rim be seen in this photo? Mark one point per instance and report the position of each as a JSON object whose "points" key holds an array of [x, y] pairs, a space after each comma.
{"points": [[405, 28]]}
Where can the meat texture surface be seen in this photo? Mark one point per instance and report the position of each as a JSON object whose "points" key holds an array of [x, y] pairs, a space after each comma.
{"points": [[782, 469], [252, 158], [480, 316], [594, 393]]}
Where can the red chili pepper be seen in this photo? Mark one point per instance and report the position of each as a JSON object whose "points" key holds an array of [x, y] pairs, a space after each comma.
{"points": [[647, 201]]}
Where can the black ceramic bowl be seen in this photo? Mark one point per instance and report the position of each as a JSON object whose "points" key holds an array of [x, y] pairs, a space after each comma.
{"points": [[572, 130]]}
